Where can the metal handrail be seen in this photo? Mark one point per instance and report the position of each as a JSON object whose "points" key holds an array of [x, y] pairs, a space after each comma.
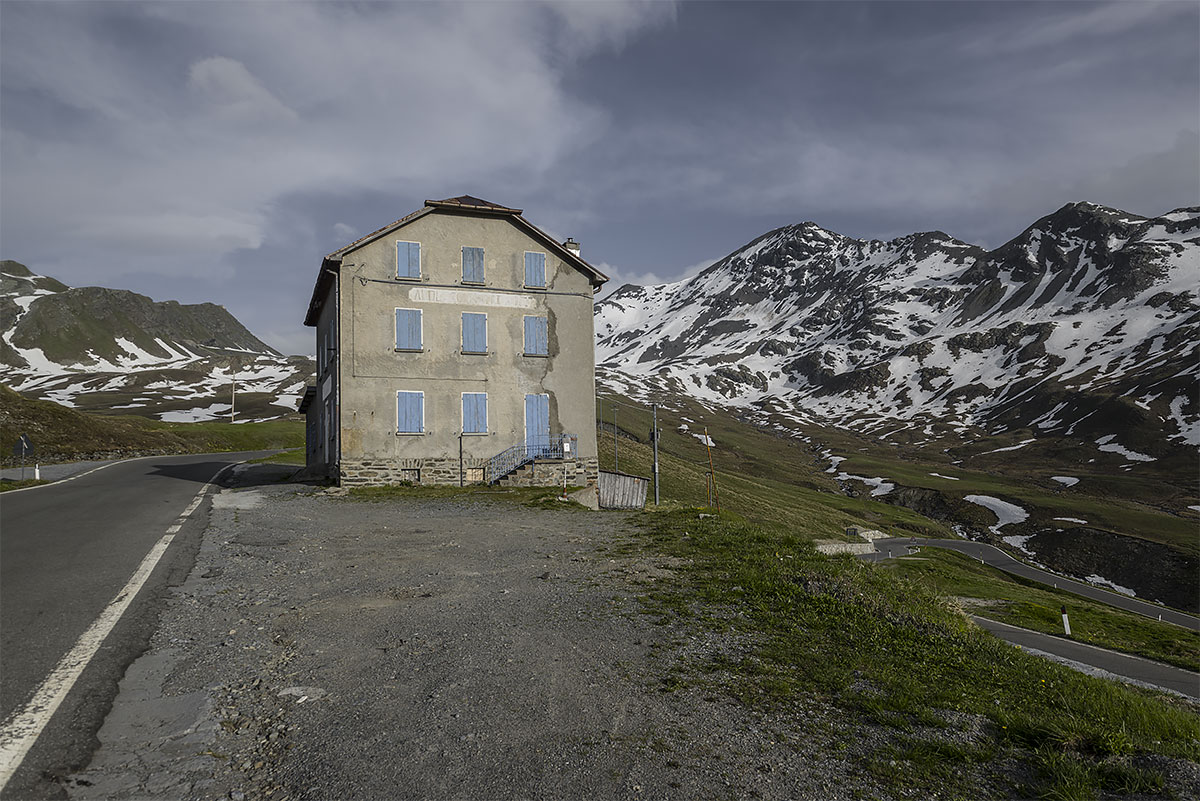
{"points": [[559, 446]]}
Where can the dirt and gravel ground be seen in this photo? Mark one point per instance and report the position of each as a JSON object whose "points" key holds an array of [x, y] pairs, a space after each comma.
{"points": [[324, 647]]}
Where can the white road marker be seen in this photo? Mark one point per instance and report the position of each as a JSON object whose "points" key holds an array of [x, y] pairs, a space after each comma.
{"points": [[22, 729]]}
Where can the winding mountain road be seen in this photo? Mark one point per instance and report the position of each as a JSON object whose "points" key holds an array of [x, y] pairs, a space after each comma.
{"points": [[84, 565], [994, 557]]}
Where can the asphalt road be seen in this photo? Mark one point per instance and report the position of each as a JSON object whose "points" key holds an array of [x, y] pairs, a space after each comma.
{"points": [[66, 550], [993, 556], [1140, 670]]}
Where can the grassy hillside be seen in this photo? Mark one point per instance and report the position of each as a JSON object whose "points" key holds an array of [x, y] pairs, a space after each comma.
{"points": [[61, 434], [960, 713], [1106, 497]]}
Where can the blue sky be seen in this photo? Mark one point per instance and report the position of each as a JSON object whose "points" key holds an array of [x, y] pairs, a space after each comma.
{"points": [[214, 151]]}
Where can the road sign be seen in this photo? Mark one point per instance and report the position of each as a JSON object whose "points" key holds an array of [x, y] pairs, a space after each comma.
{"points": [[23, 446]]}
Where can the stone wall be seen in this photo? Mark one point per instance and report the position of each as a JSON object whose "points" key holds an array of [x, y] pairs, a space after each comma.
{"points": [[381, 472], [550, 473]]}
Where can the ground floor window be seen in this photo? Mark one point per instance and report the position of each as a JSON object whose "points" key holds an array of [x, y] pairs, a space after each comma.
{"points": [[410, 412], [474, 413]]}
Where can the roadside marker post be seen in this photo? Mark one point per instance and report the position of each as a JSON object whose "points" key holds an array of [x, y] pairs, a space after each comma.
{"points": [[1066, 622]]}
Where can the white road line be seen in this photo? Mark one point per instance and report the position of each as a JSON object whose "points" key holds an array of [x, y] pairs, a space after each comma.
{"points": [[22, 729]]}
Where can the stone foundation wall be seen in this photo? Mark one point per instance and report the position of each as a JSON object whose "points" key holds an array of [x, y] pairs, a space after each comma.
{"points": [[546, 473], [372, 472]]}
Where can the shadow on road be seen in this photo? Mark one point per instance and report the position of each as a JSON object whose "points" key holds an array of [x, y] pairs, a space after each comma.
{"points": [[241, 475]]}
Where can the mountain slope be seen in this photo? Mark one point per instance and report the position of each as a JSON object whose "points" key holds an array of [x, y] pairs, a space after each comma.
{"points": [[115, 350], [1085, 325]]}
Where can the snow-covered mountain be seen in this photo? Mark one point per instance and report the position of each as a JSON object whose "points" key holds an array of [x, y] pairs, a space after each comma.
{"points": [[113, 350], [1085, 325]]}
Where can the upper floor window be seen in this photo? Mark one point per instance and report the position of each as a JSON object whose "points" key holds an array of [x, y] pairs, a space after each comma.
{"points": [[474, 333], [474, 413], [535, 270], [408, 329], [537, 339], [408, 259], [410, 412], [472, 264]]}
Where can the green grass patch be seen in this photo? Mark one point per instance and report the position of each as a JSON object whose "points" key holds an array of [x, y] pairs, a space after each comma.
{"points": [[6, 485], [891, 650], [1108, 511], [1011, 599], [782, 499]]}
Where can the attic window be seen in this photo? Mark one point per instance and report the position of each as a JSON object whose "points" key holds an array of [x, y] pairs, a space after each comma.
{"points": [[408, 259], [472, 265]]}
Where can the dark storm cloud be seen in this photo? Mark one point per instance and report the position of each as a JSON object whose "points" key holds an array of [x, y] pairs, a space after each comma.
{"points": [[210, 151]]}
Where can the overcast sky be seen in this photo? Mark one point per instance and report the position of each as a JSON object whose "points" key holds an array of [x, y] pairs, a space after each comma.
{"points": [[214, 152]]}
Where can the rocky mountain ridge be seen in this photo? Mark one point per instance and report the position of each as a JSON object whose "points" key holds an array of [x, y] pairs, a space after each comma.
{"points": [[113, 350], [1084, 325]]}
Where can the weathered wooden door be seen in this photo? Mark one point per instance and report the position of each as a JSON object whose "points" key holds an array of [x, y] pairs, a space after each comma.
{"points": [[537, 423]]}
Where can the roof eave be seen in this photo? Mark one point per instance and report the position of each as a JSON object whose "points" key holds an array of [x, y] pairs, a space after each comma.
{"points": [[330, 267]]}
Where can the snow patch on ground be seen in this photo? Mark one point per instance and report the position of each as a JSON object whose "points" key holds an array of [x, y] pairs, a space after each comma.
{"points": [[1072, 520], [939, 475], [196, 415], [705, 440], [882, 485], [1103, 582], [1005, 512], [1106, 445], [1018, 542], [1010, 447], [1070, 481]]}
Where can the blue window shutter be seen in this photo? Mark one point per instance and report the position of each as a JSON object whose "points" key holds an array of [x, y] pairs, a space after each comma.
{"points": [[410, 412], [474, 332], [535, 269], [408, 329], [474, 412], [408, 259], [472, 262], [414, 259], [537, 421], [541, 336], [529, 334]]}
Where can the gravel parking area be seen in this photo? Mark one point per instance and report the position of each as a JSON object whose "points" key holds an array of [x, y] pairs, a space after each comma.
{"points": [[324, 647]]}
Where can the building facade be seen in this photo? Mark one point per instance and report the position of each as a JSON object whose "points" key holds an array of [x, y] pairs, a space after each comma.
{"points": [[454, 346]]}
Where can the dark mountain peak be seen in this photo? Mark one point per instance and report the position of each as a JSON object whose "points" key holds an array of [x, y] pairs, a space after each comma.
{"points": [[10, 267]]}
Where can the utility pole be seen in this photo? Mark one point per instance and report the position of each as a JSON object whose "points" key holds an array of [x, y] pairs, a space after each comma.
{"points": [[654, 439], [232, 388], [616, 459]]}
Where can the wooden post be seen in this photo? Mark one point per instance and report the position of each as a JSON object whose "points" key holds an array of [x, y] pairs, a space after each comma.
{"points": [[711, 471]]}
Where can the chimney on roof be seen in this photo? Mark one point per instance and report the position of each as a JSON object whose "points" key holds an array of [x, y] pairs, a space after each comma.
{"points": [[572, 246]]}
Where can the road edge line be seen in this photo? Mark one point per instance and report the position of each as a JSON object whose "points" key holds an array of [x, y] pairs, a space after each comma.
{"points": [[22, 729]]}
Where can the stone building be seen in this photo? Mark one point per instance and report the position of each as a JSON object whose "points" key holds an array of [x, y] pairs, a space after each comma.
{"points": [[454, 345]]}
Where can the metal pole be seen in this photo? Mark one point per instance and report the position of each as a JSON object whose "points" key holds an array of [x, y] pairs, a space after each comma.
{"points": [[460, 460], [654, 409], [711, 472], [232, 390], [616, 459]]}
